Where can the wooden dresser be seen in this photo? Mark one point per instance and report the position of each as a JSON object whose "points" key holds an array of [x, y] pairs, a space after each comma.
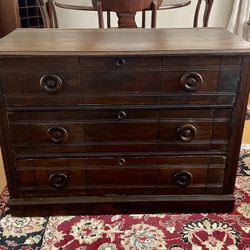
{"points": [[122, 121]]}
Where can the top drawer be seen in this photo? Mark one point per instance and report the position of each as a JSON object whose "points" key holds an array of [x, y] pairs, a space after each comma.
{"points": [[171, 80]]}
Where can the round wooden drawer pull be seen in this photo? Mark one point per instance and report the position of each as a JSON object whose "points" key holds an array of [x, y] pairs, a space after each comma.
{"points": [[121, 162], [183, 178], [58, 180], [186, 133], [58, 134], [120, 62], [51, 84], [191, 81], [121, 115]]}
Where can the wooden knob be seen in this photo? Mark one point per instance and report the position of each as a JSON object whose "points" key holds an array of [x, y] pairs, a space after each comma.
{"points": [[120, 62], [191, 81], [58, 180], [121, 115], [51, 84], [57, 134], [186, 133], [183, 178], [121, 162]]}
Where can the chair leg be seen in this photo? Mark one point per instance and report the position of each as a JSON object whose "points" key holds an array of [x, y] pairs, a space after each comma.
{"points": [[196, 15], [108, 19], [206, 15], [208, 8], [52, 14], [42, 8], [154, 13], [100, 14], [143, 19]]}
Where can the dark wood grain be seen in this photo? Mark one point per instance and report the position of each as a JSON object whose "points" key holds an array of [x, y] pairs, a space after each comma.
{"points": [[204, 41], [117, 127]]}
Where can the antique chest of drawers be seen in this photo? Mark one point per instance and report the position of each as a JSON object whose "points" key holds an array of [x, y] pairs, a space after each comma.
{"points": [[122, 121]]}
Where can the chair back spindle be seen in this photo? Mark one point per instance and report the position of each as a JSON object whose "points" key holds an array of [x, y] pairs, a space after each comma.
{"points": [[206, 14], [48, 13]]}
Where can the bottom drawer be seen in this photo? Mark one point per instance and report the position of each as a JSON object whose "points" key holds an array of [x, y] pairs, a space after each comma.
{"points": [[121, 175]]}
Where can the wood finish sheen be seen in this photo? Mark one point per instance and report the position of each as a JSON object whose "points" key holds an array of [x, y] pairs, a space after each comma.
{"points": [[110, 127], [202, 41]]}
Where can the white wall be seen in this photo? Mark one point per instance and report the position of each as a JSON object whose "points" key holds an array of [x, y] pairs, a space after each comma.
{"points": [[181, 17]]}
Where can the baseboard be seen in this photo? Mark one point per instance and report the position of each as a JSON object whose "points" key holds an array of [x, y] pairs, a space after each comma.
{"points": [[245, 146]]}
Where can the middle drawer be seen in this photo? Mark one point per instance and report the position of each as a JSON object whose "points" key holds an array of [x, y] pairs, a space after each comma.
{"points": [[120, 130]]}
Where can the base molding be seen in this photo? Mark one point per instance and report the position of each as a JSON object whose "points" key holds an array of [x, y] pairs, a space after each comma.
{"points": [[121, 205], [245, 146]]}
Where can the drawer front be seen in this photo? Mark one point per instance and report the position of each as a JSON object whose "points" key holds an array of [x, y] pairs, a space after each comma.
{"points": [[25, 175], [42, 86], [121, 80], [182, 171], [199, 86], [48, 138], [46, 132], [190, 174], [90, 131], [121, 175], [51, 176], [122, 87], [190, 80], [199, 80], [120, 130], [64, 178], [194, 130]]}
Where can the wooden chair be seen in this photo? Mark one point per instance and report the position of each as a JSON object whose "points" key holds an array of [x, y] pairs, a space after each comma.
{"points": [[50, 19], [125, 10], [172, 4], [48, 12]]}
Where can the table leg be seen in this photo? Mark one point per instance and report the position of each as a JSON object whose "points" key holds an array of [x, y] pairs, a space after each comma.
{"points": [[126, 20]]}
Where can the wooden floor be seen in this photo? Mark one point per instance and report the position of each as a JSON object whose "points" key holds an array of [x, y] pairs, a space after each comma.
{"points": [[246, 133], [2, 175], [245, 140]]}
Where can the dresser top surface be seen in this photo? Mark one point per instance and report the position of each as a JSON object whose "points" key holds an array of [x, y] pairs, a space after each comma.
{"points": [[109, 42]]}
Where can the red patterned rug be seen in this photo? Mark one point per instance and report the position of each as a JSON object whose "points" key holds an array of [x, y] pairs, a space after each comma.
{"points": [[134, 231]]}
